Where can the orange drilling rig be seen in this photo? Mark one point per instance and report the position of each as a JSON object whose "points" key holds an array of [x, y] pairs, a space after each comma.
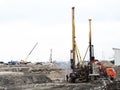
{"points": [[85, 72]]}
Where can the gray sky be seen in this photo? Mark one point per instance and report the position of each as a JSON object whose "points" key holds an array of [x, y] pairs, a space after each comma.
{"points": [[48, 22]]}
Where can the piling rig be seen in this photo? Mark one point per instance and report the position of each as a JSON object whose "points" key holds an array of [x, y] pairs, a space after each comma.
{"points": [[82, 72]]}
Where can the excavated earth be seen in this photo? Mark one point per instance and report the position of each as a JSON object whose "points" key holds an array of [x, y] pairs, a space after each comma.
{"points": [[48, 77]]}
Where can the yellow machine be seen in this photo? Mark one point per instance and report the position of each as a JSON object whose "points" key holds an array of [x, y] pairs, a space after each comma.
{"points": [[79, 70], [75, 51]]}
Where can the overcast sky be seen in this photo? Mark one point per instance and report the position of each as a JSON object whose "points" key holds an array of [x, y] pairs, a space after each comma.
{"points": [[48, 22]]}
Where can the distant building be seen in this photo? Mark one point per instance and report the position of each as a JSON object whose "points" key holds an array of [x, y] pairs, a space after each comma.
{"points": [[117, 56]]}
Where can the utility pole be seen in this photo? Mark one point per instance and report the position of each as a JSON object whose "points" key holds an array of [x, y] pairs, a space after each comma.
{"points": [[50, 59]]}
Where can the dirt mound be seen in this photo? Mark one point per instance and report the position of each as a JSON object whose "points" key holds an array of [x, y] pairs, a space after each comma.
{"points": [[22, 80], [108, 64]]}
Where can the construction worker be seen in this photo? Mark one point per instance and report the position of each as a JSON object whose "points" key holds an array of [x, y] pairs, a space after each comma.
{"points": [[67, 77]]}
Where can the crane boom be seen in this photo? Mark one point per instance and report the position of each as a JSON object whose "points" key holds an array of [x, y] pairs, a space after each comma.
{"points": [[31, 51]]}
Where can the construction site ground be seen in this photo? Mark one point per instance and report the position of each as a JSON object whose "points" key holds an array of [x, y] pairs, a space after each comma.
{"points": [[47, 77]]}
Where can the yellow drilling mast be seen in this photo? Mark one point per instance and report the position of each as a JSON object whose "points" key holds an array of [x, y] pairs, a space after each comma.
{"points": [[73, 38], [75, 54]]}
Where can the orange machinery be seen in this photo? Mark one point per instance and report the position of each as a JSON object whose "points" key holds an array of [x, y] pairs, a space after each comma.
{"points": [[106, 71]]}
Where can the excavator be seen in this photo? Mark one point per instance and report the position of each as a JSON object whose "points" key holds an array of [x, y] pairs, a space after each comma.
{"points": [[82, 71]]}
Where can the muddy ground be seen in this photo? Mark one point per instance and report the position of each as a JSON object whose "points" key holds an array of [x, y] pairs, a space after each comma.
{"points": [[47, 77]]}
